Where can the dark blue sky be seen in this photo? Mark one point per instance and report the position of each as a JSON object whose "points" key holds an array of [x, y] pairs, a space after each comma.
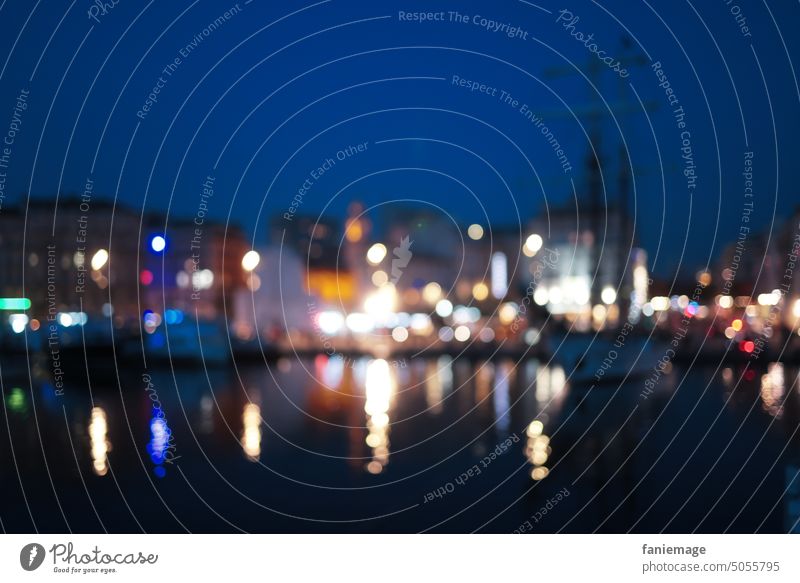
{"points": [[279, 87]]}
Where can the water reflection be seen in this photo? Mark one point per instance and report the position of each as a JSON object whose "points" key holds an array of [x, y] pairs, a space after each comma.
{"points": [[98, 438], [483, 381], [502, 401], [206, 414], [17, 401], [330, 370], [550, 381], [380, 389], [439, 382], [727, 376], [338, 422], [160, 436], [251, 432], [772, 389], [537, 449]]}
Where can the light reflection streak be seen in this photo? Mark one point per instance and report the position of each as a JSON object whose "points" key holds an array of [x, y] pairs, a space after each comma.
{"points": [[538, 449], [251, 432], [98, 432], [550, 381], [773, 387], [502, 401], [380, 389]]}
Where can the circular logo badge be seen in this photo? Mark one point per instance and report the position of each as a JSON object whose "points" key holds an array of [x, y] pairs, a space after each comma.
{"points": [[31, 556]]}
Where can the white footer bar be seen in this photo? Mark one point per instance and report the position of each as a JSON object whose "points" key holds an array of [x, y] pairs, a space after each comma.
{"points": [[406, 558]]}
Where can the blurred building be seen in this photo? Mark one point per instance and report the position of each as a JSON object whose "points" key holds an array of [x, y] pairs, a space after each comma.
{"points": [[53, 266], [755, 262], [586, 261], [274, 301], [323, 250], [98, 258], [12, 259], [190, 267]]}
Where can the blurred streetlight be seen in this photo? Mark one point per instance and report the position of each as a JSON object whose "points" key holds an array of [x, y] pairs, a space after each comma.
{"points": [[376, 253], [444, 308], [381, 303], [250, 260], [608, 295], [99, 259], [532, 245], [400, 334], [380, 278], [508, 312], [704, 278], [354, 231], [461, 333], [158, 243], [475, 232], [432, 292], [499, 278], [480, 291]]}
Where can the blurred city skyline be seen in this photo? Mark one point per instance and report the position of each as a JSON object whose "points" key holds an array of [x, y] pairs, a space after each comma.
{"points": [[327, 92]]}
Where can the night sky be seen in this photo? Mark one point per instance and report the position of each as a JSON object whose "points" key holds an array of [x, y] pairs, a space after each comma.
{"points": [[279, 87]]}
